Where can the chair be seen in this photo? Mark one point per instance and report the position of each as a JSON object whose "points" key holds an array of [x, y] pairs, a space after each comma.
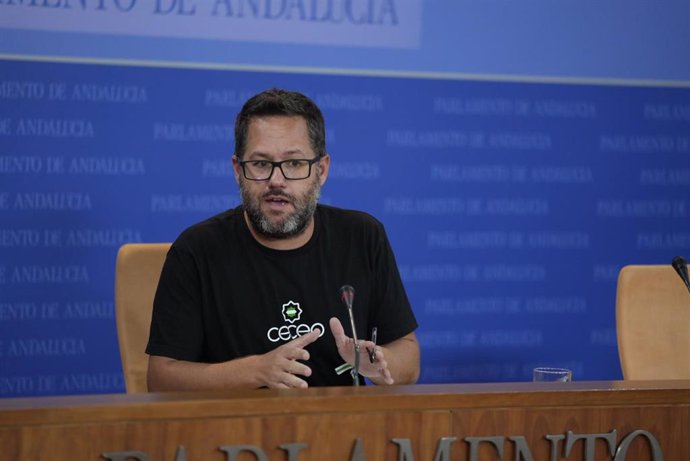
{"points": [[653, 323], [137, 271]]}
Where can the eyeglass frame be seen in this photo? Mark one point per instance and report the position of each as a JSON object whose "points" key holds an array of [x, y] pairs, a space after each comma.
{"points": [[310, 162]]}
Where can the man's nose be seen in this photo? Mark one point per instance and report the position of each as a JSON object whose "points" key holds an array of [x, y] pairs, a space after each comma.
{"points": [[277, 177]]}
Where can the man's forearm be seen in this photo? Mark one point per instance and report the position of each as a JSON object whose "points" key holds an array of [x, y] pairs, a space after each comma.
{"points": [[166, 374], [279, 368], [402, 356]]}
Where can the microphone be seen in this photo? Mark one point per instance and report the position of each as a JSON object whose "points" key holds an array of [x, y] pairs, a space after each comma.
{"points": [[347, 295], [681, 266]]}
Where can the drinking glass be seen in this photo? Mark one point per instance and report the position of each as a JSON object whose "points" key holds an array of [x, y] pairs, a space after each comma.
{"points": [[552, 374]]}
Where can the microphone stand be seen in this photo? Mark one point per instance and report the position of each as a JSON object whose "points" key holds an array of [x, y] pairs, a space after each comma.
{"points": [[355, 370]]}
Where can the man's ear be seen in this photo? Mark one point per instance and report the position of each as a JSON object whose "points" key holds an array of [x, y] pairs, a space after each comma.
{"points": [[236, 168], [323, 166]]}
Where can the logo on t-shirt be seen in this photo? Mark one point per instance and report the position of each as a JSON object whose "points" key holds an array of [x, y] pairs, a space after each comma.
{"points": [[291, 314], [291, 311]]}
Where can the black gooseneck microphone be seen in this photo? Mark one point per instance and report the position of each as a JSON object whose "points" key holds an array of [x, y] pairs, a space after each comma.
{"points": [[681, 266], [347, 295]]}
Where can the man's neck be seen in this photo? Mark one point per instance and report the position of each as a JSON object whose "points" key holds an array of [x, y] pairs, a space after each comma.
{"points": [[287, 243]]}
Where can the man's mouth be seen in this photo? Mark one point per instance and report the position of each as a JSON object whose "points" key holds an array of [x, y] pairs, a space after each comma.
{"points": [[277, 201]]}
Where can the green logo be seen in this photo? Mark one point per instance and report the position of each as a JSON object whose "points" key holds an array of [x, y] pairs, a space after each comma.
{"points": [[291, 311]]}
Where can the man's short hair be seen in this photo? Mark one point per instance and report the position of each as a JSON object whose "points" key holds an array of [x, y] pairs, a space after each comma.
{"points": [[281, 102]]}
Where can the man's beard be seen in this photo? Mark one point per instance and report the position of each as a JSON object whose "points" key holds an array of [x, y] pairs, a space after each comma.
{"points": [[290, 226]]}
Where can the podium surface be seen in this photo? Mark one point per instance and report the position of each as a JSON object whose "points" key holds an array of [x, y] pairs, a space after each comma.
{"points": [[589, 421]]}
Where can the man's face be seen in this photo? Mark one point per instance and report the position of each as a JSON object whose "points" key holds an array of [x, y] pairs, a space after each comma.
{"points": [[280, 208]]}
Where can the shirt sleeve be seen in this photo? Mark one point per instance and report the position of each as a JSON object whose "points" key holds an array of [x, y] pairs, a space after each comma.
{"points": [[176, 323], [394, 316]]}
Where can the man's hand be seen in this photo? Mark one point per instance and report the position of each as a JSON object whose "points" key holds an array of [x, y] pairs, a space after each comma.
{"points": [[376, 371], [280, 368]]}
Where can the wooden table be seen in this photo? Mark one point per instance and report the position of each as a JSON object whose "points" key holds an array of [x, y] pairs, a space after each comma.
{"points": [[588, 421]]}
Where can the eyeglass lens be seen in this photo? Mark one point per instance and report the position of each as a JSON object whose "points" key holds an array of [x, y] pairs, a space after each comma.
{"points": [[291, 169]]}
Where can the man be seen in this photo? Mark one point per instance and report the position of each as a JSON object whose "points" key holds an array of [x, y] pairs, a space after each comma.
{"points": [[244, 296]]}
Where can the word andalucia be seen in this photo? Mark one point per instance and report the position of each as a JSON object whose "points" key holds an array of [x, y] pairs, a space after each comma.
{"points": [[378, 12]]}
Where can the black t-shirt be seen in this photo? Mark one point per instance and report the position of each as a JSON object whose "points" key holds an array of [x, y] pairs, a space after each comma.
{"points": [[223, 296]]}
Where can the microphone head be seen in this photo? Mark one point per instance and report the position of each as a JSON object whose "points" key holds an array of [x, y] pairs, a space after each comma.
{"points": [[347, 295], [679, 262], [681, 266]]}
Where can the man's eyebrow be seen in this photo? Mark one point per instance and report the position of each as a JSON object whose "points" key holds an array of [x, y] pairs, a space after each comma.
{"points": [[257, 154], [265, 156]]}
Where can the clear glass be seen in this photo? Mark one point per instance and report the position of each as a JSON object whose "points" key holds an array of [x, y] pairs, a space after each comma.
{"points": [[552, 374], [261, 170]]}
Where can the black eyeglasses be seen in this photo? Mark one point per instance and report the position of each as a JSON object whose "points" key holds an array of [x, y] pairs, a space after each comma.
{"points": [[262, 170]]}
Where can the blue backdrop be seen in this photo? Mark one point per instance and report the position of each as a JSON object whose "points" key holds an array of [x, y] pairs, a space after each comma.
{"points": [[511, 203]]}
